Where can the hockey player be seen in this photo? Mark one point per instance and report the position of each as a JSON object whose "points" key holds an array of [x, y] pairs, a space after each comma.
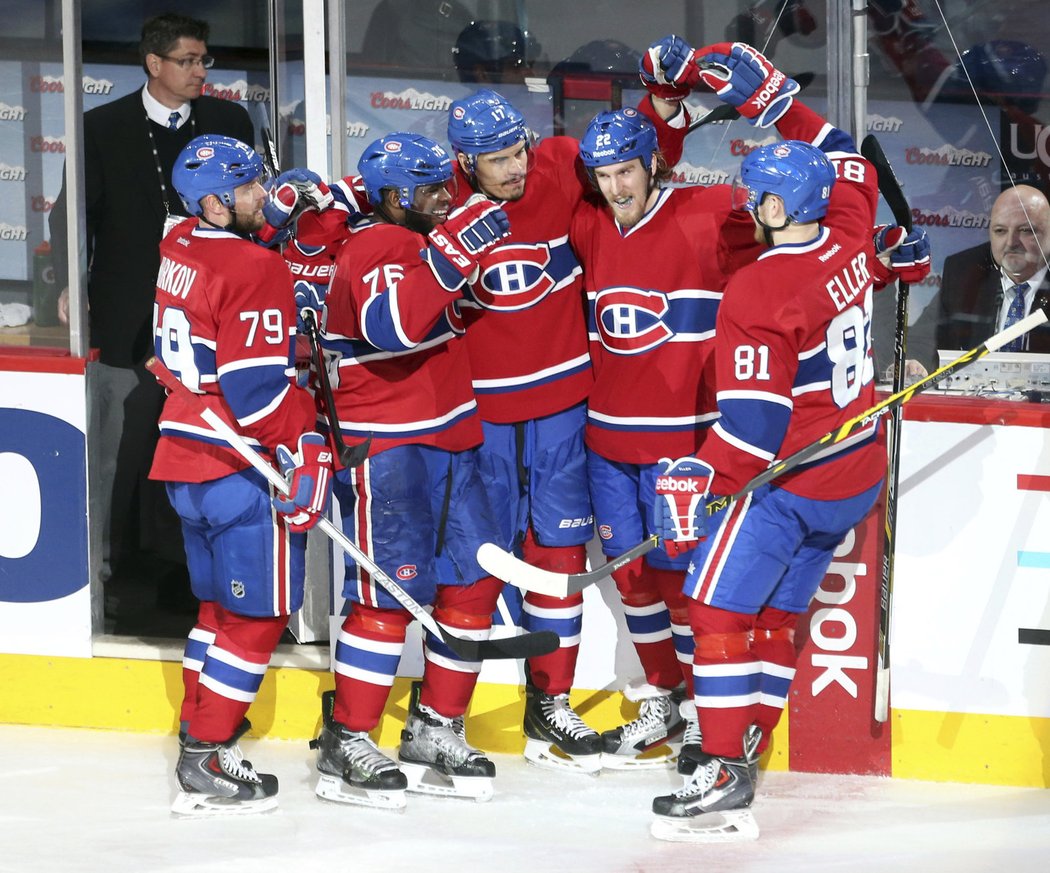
{"points": [[401, 376], [792, 362], [528, 352], [655, 262], [224, 324]]}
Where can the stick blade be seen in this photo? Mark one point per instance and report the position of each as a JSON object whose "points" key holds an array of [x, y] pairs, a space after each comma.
{"points": [[503, 565]]}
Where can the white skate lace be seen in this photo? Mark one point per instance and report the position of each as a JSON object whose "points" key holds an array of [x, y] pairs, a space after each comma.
{"points": [[700, 780], [361, 752], [692, 735], [560, 713], [233, 763], [448, 739], [655, 713]]}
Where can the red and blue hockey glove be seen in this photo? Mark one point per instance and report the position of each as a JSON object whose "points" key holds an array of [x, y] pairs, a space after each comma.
{"points": [[743, 77], [293, 193], [309, 477], [900, 254], [456, 243], [668, 70], [680, 508]]}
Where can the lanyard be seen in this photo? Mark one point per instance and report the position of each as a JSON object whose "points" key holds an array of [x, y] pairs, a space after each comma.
{"points": [[156, 159]]}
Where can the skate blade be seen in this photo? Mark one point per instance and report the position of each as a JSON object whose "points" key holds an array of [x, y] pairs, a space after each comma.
{"points": [[550, 757], [658, 758], [710, 827], [427, 780], [336, 789], [189, 804]]}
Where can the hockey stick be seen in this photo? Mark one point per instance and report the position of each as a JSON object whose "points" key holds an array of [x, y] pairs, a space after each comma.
{"points": [[522, 646], [891, 192], [350, 457], [269, 155], [504, 565]]}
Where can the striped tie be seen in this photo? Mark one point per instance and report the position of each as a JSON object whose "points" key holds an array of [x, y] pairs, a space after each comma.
{"points": [[1014, 314]]}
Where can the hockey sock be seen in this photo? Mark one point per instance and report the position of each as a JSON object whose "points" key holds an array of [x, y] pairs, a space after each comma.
{"points": [[448, 681], [553, 673], [669, 583], [233, 670], [367, 653], [649, 623], [200, 637], [726, 677], [774, 646]]}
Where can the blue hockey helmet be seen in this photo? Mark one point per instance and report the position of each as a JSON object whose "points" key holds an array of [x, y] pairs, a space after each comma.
{"points": [[403, 161], [799, 174], [484, 122], [213, 164], [618, 135]]}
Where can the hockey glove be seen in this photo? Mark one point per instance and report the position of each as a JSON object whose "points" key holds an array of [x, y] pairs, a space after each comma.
{"points": [[294, 192], [742, 77], [456, 243], [668, 70], [900, 255], [680, 508], [309, 478]]}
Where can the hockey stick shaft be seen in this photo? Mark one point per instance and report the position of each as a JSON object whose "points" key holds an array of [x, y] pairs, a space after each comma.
{"points": [[350, 457], [725, 112], [469, 650], [891, 191]]}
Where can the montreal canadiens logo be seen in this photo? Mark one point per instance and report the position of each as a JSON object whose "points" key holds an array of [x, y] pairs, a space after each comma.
{"points": [[393, 146], [782, 151], [205, 152], [605, 531], [458, 113], [406, 572], [630, 321], [630, 113]]}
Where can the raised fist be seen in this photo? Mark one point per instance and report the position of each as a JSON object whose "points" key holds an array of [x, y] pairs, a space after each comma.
{"points": [[900, 254], [744, 78], [668, 70]]}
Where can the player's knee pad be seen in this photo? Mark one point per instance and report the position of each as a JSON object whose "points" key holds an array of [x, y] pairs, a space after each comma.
{"points": [[375, 622], [668, 584], [775, 624], [468, 606], [557, 559], [634, 585], [720, 635], [249, 635]]}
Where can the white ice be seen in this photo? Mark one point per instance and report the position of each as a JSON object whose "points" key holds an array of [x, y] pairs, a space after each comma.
{"points": [[79, 800]]}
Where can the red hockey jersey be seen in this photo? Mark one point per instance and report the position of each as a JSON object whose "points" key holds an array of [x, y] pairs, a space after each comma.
{"points": [[793, 354], [653, 292], [224, 324], [393, 336]]}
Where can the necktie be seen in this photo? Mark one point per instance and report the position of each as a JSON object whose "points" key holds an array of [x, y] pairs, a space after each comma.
{"points": [[173, 121], [1014, 314]]}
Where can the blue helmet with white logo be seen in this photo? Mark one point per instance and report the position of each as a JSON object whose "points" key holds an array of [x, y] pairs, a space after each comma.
{"points": [[484, 122], [403, 161], [213, 164], [618, 135], [799, 174]]}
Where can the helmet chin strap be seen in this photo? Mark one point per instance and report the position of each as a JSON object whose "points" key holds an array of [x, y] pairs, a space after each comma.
{"points": [[769, 230]]}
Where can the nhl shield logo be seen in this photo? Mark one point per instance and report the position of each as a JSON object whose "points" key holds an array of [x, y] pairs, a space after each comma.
{"points": [[237, 588]]}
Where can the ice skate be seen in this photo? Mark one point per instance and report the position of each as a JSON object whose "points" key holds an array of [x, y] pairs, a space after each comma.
{"points": [[652, 739], [436, 758], [691, 738], [713, 806], [556, 737], [351, 767], [215, 779]]}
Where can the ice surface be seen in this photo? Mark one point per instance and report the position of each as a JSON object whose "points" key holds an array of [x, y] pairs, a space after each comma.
{"points": [[79, 800]]}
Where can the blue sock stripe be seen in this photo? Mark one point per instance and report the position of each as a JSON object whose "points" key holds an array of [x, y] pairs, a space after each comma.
{"points": [[351, 655]]}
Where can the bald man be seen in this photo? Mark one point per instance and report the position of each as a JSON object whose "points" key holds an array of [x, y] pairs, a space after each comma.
{"points": [[985, 287]]}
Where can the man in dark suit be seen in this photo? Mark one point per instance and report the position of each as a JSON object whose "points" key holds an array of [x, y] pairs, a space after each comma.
{"points": [[987, 287], [130, 146]]}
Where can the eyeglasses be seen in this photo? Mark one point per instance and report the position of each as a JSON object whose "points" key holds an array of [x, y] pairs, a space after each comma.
{"points": [[207, 61]]}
